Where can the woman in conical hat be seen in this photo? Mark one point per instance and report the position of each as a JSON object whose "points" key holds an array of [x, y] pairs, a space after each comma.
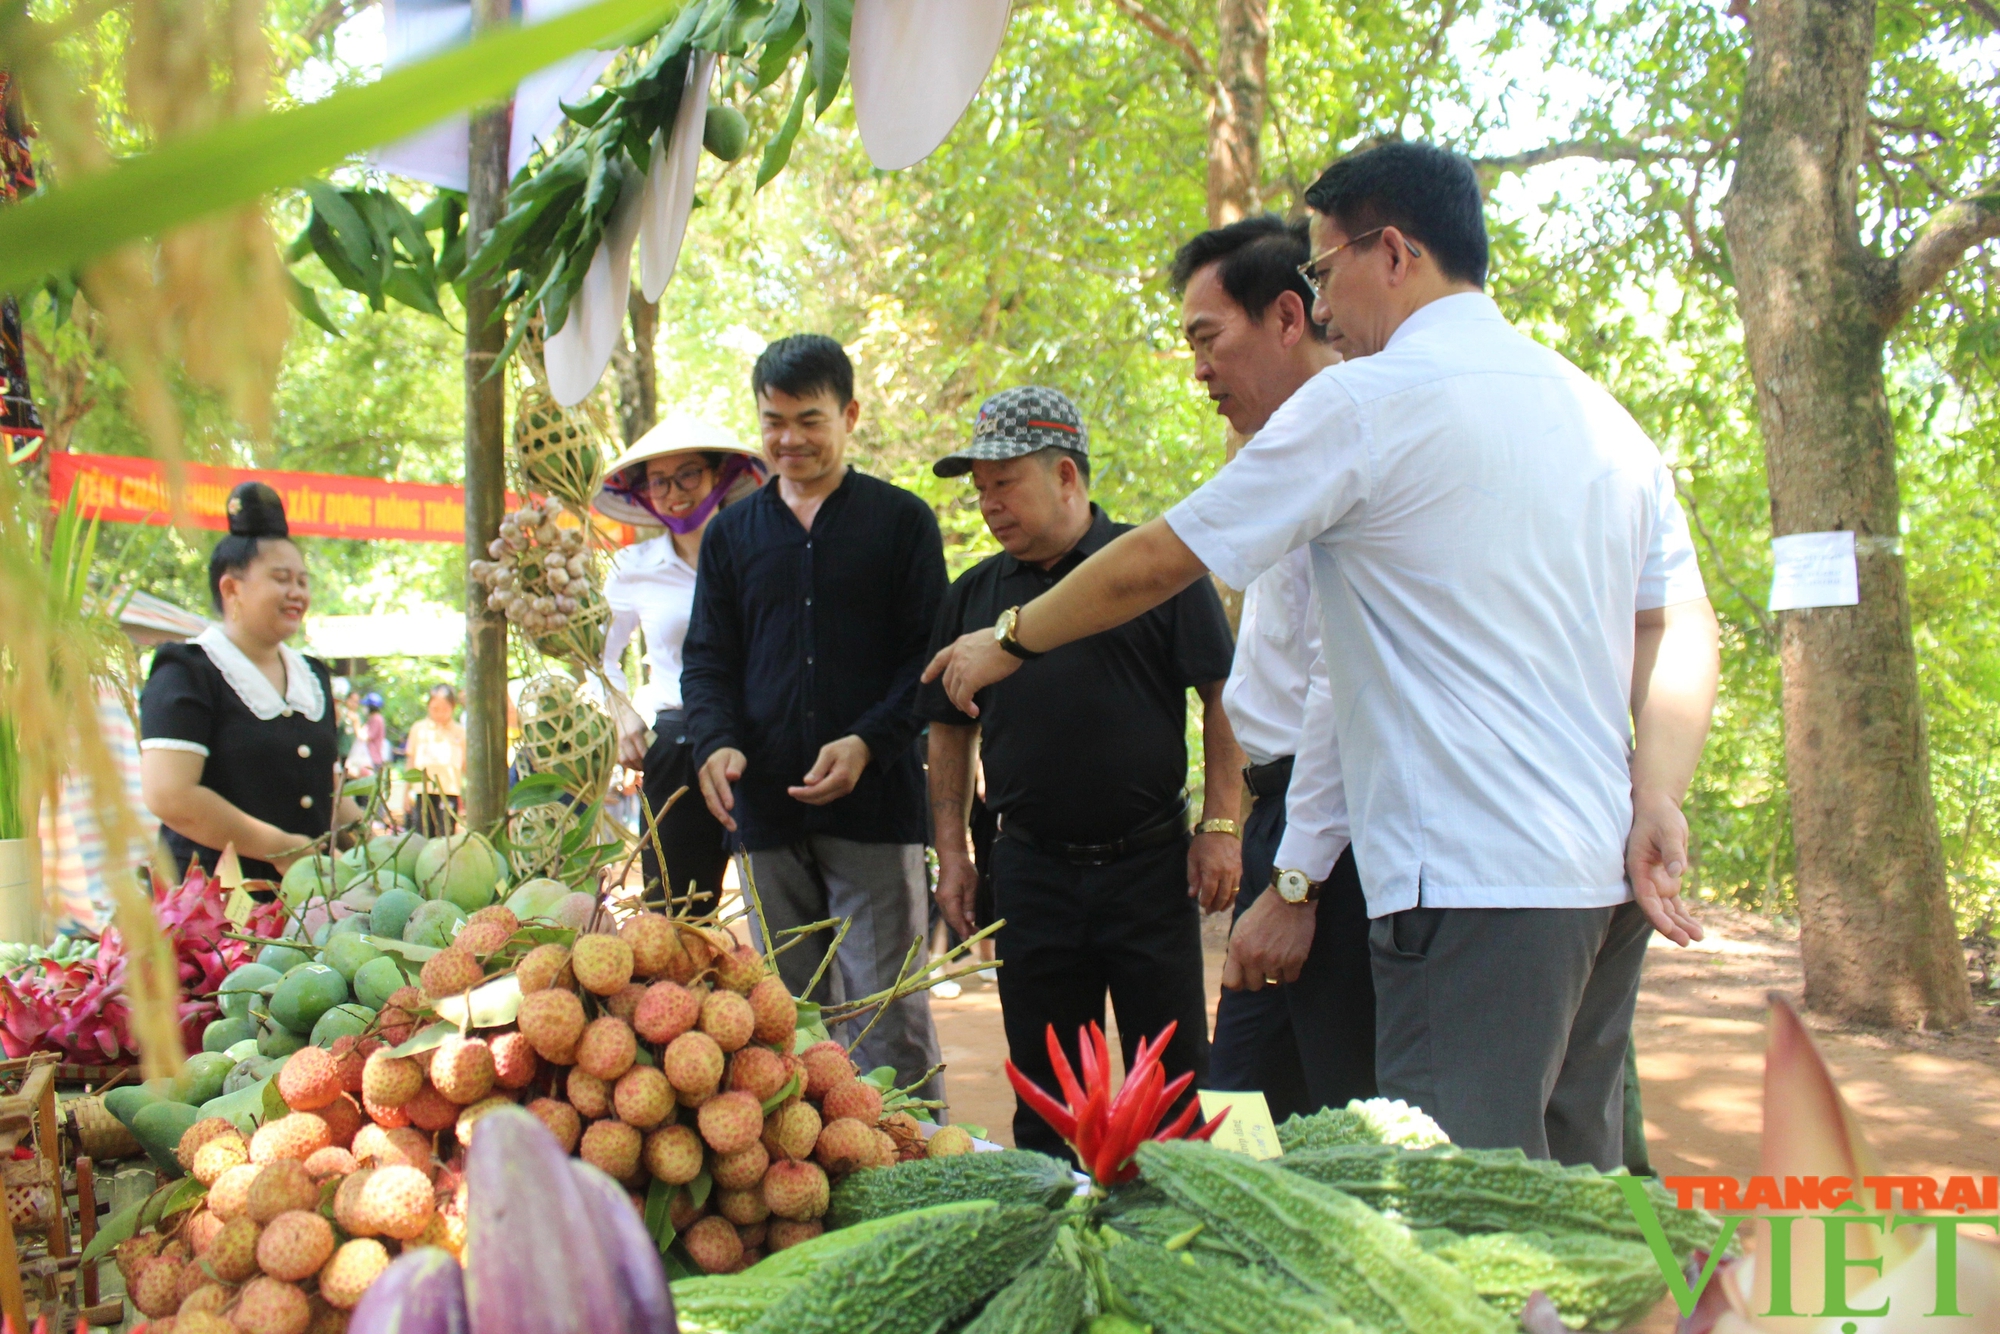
{"points": [[676, 476]]}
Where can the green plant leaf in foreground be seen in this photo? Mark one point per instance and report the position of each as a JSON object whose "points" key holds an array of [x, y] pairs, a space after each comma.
{"points": [[248, 158]]}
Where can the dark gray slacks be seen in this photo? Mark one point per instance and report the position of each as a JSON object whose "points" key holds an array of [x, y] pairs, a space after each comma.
{"points": [[1510, 1026]]}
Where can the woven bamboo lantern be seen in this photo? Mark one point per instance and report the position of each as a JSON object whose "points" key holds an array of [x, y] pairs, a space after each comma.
{"points": [[560, 451], [536, 838], [567, 735]]}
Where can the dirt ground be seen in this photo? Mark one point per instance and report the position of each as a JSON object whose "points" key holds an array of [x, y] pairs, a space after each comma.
{"points": [[1930, 1103]]}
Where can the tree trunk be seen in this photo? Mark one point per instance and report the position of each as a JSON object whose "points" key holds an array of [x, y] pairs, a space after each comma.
{"points": [[1877, 934], [1236, 110], [485, 464], [638, 381]]}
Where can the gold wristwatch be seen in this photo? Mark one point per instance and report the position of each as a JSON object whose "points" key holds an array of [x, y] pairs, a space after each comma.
{"points": [[1220, 826], [1295, 888], [1003, 631]]}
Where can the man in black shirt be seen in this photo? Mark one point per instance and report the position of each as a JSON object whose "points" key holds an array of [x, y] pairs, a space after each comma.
{"points": [[1085, 753], [813, 606]]}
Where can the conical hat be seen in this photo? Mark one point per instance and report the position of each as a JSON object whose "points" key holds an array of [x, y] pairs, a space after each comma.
{"points": [[676, 433]]}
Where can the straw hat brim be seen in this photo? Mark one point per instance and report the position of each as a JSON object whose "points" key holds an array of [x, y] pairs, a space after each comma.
{"points": [[673, 435]]}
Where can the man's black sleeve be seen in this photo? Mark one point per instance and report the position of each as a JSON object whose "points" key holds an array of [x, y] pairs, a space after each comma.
{"points": [[1203, 648], [712, 656], [890, 725], [933, 705]]}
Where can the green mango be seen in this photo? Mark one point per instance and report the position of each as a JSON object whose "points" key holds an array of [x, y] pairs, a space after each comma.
{"points": [[281, 959], [308, 878], [435, 924], [125, 1101], [536, 900], [158, 1127], [276, 1043], [226, 1032], [375, 981], [349, 1020], [392, 910], [242, 1106], [462, 869], [306, 993], [252, 1069], [404, 851], [347, 951], [201, 1077], [239, 990], [725, 133], [240, 1052]]}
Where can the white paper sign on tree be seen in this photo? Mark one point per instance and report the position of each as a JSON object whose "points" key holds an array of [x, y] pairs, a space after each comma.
{"points": [[915, 66]]}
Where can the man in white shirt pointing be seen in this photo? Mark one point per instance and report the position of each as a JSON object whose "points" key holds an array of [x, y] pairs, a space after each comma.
{"points": [[1527, 660]]}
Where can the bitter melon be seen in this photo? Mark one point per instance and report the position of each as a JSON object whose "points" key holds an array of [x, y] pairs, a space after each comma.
{"points": [[1369, 1121], [1599, 1283], [1012, 1176], [1180, 1293], [1497, 1190], [1371, 1268], [1048, 1298], [917, 1276], [1172, 1227]]}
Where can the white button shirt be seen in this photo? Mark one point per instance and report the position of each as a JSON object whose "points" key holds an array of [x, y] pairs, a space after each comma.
{"points": [[650, 588], [1484, 523], [1276, 643]]}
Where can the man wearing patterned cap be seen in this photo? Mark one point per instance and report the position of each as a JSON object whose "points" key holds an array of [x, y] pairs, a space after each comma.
{"points": [[1095, 871]]}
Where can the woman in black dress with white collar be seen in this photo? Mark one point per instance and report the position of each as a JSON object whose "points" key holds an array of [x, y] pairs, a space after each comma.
{"points": [[238, 738]]}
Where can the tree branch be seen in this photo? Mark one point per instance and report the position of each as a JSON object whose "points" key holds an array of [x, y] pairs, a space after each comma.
{"points": [[1599, 150], [1189, 53], [1985, 11], [1953, 230], [330, 16]]}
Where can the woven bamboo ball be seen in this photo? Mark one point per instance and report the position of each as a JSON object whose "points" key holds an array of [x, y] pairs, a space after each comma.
{"points": [[559, 450], [567, 735]]}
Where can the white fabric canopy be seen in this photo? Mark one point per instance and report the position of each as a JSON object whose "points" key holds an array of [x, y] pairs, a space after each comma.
{"points": [[915, 66]]}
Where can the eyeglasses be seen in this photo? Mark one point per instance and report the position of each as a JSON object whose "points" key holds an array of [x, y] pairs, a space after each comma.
{"points": [[687, 479], [1310, 269]]}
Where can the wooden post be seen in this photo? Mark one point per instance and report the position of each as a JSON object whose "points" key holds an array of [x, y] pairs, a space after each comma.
{"points": [[51, 1147], [86, 1212], [485, 461]]}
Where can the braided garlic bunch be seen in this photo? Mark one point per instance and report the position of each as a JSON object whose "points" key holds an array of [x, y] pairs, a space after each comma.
{"points": [[540, 574]]}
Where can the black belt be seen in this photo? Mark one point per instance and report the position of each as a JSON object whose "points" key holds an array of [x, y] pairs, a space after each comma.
{"points": [[1268, 780], [671, 722], [1159, 833]]}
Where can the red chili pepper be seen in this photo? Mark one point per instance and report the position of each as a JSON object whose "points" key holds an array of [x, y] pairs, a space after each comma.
{"points": [[1042, 1104], [1104, 1127], [1060, 1063]]}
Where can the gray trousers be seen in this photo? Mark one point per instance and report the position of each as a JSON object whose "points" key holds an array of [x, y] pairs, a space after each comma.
{"points": [[883, 890], [1510, 1026]]}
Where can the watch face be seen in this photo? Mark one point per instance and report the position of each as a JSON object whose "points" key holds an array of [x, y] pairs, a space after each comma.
{"points": [[1292, 886]]}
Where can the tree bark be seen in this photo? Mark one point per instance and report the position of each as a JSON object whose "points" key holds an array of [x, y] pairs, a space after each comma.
{"points": [[1876, 923], [485, 464], [638, 381], [1236, 110]]}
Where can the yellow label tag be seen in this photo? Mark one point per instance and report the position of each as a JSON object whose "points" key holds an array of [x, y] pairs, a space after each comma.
{"points": [[239, 906], [229, 868], [1248, 1129]]}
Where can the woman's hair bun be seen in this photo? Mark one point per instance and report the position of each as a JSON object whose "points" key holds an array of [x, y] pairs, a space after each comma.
{"points": [[255, 510]]}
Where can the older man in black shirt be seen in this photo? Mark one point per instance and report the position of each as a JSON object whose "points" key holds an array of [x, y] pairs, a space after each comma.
{"points": [[812, 608], [1085, 754]]}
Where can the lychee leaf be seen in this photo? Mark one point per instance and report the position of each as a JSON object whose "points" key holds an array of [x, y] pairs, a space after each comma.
{"points": [[811, 1028], [414, 953], [772, 1102], [424, 1039], [660, 1213], [882, 1077], [488, 1006], [274, 1101], [699, 1188]]}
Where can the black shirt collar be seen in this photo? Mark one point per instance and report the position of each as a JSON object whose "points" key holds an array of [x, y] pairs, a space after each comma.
{"points": [[1094, 538]]}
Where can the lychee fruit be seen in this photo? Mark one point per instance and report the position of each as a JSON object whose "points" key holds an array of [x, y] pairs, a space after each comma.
{"points": [[355, 1266], [827, 1064], [740, 969], [853, 1098], [674, 1154], [332, 1161], [948, 1142], [514, 1061], [405, 1147], [297, 1136], [129, 1252], [713, 1245], [206, 1297], [229, 1194], [625, 1003], [731, 1122], [282, 1187], [742, 1207], [590, 1095], [267, 1306], [343, 1118], [310, 1079], [155, 1285], [612, 1147], [797, 1191], [552, 1020], [217, 1156], [783, 1233], [396, 1202], [496, 912], [728, 1018], [642, 1097], [543, 967], [469, 1118], [480, 939], [430, 1109], [792, 1131], [347, 1209], [608, 1048], [451, 972], [294, 1245], [390, 1081], [202, 1318], [463, 1069], [653, 942], [666, 1011], [693, 1063], [845, 1145], [603, 964], [682, 1211], [752, 1236], [742, 1169], [200, 1231], [200, 1133], [758, 1071], [776, 1013], [688, 956], [351, 1055], [561, 1119], [399, 1014], [885, 1149], [387, 1117]]}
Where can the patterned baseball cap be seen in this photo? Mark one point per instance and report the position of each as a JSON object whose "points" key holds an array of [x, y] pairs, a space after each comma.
{"points": [[1020, 421]]}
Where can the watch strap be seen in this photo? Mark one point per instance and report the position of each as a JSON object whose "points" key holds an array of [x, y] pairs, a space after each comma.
{"points": [[1220, 826], [1009, 620]]}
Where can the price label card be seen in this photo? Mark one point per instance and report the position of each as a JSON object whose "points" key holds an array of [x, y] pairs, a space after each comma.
{"points": [[238, 907], [1248, 1129]]}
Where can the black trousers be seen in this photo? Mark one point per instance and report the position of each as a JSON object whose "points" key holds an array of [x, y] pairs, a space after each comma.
{"points": [[695, 844], [1074, 933], [1309, 1044]]}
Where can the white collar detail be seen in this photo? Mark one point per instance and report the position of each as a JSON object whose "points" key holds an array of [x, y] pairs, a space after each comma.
{"points": [[302, 690]]}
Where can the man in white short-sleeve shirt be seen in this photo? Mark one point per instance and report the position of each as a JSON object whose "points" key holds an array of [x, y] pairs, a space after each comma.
{"points": [[1524, 672]]}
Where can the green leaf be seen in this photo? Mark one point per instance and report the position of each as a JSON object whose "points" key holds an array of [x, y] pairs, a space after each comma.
{"points": [[699, 1188], [347, 228], [414, 953], [242, 160], [811, 1027], [534, 790], [425, 1039], [170, 1200], [274, 1102], [772, 1102], [118, 1227], [779, 151], [660, 1213], [306, 302], [780, 41], [486, 1006], [827, 25]]}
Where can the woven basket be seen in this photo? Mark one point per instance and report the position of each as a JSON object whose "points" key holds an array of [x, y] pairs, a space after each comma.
{"points": [[31, 1194], [582, 640], [102, 1135], [558, 450], [535, 839], [568, 736]]}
